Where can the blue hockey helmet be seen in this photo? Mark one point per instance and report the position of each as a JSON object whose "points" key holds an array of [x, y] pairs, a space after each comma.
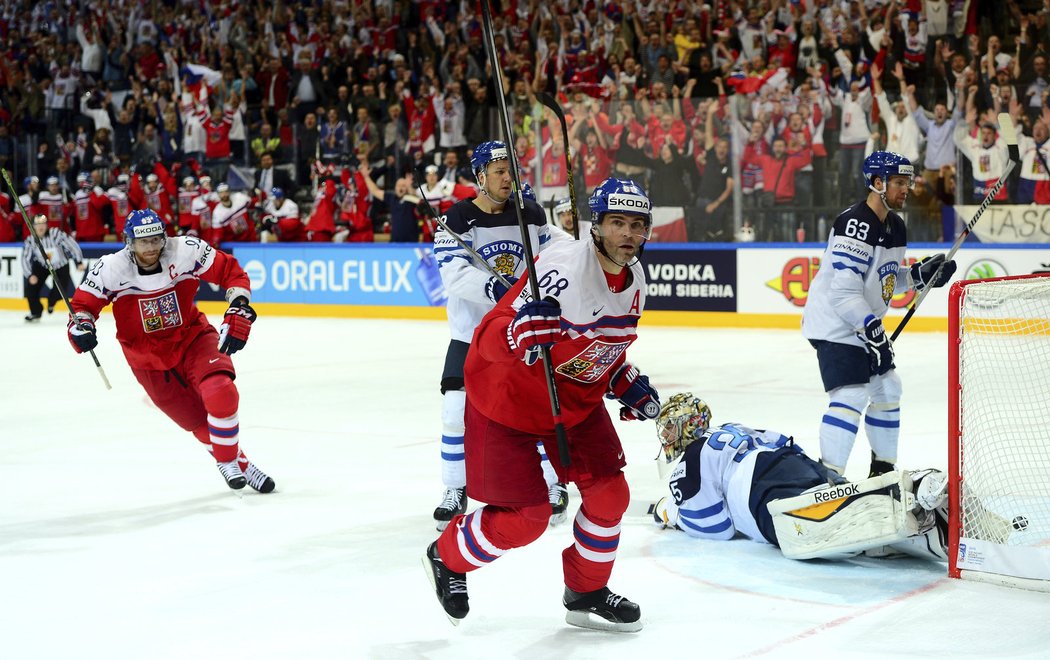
{"points": [[682, 420], [620, 196], [884, 164], [29, 180], [276, 193], [487, 152], [527, 192], [142, 224], [83, 179]]}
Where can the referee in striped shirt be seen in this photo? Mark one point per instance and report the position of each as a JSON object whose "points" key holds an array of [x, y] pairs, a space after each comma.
{"points": [[60, 248]]}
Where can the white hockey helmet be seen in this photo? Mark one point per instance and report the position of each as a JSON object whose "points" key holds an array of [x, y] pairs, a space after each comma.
{"points": [[682, 420]]}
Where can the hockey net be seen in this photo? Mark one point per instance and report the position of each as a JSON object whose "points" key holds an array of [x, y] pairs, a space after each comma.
{"points": [[999, 435]]}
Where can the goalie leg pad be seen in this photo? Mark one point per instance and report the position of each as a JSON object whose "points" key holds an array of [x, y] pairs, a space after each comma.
{"points": [[838, 521]]}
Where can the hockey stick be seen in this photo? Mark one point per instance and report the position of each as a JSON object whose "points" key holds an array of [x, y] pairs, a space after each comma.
{"points": [[548, 100], [519, 206], [1006, 127], [47, 262], [463, 244]]}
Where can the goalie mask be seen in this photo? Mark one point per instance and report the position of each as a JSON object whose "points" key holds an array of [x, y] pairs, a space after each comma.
{"points": [[682, 420]]}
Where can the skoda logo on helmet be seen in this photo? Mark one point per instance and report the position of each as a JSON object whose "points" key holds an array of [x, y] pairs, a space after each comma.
{"points": [[629, 203], [148, 229]]}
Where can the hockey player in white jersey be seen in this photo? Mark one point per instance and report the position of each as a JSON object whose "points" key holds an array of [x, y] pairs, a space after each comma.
{"points": [[488, 224], [563, 217], [860, 273], [759, 483]]}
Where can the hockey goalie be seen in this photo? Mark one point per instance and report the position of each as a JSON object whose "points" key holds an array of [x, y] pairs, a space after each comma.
{"points": [[734, 479]]}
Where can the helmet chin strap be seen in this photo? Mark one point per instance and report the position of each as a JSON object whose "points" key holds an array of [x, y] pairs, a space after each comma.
{"points": [[485, 192], [882, 196]]}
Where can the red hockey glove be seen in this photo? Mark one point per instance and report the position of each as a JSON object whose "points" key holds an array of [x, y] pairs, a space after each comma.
{"points": [[236, 324], [81, 332], [632, 389], [537, 325]]}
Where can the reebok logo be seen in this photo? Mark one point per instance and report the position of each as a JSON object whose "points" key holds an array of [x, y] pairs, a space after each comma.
{"points": [[836, 493]]}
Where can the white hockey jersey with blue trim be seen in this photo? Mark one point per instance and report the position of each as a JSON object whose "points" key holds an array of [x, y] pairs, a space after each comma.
{"points": [[859, 274], [711, 484]]}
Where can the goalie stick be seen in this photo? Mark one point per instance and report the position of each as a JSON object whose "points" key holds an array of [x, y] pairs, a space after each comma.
{"points": [[548, 100], [463, 244], [519, 206], [1006, 127], [50, 268]]}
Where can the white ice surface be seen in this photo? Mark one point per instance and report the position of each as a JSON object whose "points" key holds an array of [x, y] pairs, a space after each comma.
{"points": [[118, 538]]}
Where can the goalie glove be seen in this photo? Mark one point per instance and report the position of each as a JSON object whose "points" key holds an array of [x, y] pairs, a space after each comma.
{"points": [[81, 332], [880, 349], [924, 273], [640, 399], [536, 326], [236, 324]]}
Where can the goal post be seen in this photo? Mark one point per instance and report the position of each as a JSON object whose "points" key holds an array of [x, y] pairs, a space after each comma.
{"points": [[999, 430]]}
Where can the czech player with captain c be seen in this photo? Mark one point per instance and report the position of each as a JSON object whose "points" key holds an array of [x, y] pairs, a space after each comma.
{"points": [[181, 361], [859, 275], [593, 294]]}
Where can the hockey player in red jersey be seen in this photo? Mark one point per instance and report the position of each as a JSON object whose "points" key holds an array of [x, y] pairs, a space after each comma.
{"points": [[54, 203], [88, 203], [320, 227], [181, 361], [158, 199], [593, 294], [188, 193]]}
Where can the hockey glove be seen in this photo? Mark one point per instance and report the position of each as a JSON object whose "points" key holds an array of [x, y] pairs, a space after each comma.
{"points": [[632, 389], [81, 331], [537, 325], [880, 349], [924, 273], [236, 324], [495, 289]]}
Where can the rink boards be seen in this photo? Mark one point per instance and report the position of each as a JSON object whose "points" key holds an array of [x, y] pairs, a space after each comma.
{"points": [[688, 284]]}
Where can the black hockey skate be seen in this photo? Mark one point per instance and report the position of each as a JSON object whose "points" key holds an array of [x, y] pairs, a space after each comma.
{"points": [[454, 504], [232, 473], [879, 468], [258, 479], [451, 587], [559, 498], [602, 610]]}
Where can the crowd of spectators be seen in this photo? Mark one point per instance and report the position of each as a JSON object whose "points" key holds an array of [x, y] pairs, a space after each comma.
{"points": [[350, 115]]}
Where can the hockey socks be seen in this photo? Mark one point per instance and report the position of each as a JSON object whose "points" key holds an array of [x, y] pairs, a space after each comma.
{"points": [[221, 399], [839, 426], [453, 470]]}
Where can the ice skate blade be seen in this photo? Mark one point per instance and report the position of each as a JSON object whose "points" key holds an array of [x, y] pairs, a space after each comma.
{"points": [[583, 619], [558, 518], [428, 569], [442, 524]]}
